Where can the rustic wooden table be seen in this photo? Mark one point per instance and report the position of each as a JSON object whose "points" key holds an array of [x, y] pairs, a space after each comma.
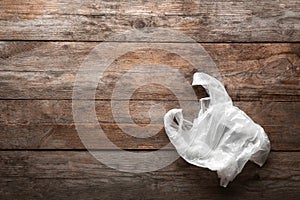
{"points": [[255, 45]]}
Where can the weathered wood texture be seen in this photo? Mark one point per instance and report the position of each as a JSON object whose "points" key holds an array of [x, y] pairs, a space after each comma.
{"points": [[32, 124], [30, 112], [204, 21], [43, 44], [47, 70], [283, 138], [69, 175]]}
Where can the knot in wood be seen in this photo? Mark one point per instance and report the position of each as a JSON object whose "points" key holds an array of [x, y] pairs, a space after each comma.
{"points": [[139, 23]]}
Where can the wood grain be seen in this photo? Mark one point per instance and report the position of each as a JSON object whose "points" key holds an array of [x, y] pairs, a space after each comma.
{"points": [[255, 45], [55, 137], [48, 124], [28, 112], [47, 70], [204, 21], [37, 175]]}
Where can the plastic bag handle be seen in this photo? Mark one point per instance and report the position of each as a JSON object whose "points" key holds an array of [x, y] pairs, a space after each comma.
{"points": [[213, 87], [169, 120]]}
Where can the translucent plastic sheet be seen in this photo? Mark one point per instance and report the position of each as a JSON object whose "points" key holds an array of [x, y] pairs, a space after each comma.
{"points": [[223, 138]]}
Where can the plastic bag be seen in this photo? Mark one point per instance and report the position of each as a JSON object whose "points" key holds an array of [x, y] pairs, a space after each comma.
{"points": [[223, 138]]}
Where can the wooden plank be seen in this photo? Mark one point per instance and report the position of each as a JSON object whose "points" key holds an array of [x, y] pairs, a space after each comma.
{"points": [[282, 138], [47, 70], [60, 112], [204, 21], [48, 124], [61, 175]]}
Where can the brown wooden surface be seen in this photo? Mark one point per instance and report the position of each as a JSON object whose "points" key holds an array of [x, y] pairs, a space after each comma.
{"points": [[69, 175], [205, 21], [42, 45], [49, 123], [247, 70]]}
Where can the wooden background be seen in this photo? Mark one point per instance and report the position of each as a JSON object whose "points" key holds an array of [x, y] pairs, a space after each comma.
{"points": [[255, 44]]}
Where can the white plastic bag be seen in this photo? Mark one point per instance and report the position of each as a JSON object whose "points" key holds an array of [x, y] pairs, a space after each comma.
{"points": [[222, 138]]}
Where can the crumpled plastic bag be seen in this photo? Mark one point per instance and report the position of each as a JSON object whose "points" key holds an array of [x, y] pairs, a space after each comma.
{"points": [[223, 137]]}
